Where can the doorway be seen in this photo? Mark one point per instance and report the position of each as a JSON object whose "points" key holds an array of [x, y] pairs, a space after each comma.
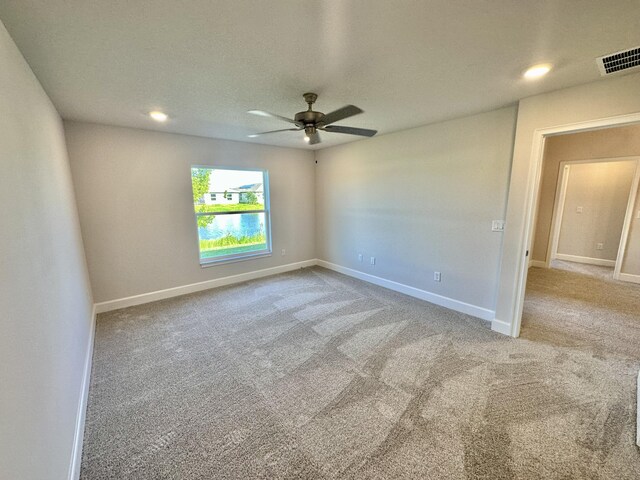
{"points": [[580, 289], [522, 214], [592, 208]]}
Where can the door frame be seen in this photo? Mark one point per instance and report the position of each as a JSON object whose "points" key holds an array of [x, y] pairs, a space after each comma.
{"points": [[628, 218], [533, 190]]}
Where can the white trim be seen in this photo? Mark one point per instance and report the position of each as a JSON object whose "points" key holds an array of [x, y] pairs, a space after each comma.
{"points": [[638, 411], [537, 263], [588, 260], [629, 277], [450, 303], [501, 327], [197, 287], [558, 213], [533, 190], [531, 207], [76, 452], [626, 226], [236, 259]]}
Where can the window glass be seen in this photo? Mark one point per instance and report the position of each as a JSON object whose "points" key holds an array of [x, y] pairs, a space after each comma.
{"points": [[232, 213]]}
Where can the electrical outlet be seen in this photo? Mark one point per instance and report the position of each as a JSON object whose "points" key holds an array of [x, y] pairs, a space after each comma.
{"points": [[373, 260], [360, 257], [578, 209], [599, 246], [437, 276], [284, 252]]}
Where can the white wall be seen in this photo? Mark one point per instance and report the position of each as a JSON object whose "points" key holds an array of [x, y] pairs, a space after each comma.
{"points": [[45, 299], [601, 192], [420, 200], [136, 207], [606, 98]]}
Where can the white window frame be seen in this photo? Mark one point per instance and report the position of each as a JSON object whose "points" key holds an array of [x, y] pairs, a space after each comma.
{"points": [[237, 257]]}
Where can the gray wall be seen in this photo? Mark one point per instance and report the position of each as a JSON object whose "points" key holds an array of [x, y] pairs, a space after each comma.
{"points": [[601, 190], [605, 143], [45, 298], [420, 200], [136, 207]]}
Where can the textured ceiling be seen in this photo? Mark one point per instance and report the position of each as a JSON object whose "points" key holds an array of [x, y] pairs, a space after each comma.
{"points": [[405, 63]]}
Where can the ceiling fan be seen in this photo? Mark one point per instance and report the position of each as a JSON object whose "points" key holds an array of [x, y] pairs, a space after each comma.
{"points": [[311, 121]]}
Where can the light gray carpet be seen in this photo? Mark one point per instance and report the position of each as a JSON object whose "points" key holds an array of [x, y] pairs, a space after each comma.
{"points": [[314, 375], [604, 273]]}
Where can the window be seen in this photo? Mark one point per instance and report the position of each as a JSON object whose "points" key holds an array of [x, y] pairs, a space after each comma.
{"points": [[231, 225]]}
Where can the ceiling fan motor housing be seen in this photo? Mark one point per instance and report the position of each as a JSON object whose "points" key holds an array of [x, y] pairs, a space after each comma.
{"points": [[309, 118]]}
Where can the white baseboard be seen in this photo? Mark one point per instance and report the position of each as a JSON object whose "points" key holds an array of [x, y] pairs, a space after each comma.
{"points": [[76, 454], [638, 412], [537, 263], [197, 287], [628, 277], [501, 327], [450, 303], [591, 261]]}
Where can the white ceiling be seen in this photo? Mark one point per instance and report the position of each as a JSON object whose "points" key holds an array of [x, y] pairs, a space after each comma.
{"points": [[405, 63]]}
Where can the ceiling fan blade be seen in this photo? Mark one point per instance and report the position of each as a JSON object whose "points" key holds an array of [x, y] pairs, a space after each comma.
{"points": [[364, 132], [262, 113], [314, 138], [253, 135], [340, 114]]}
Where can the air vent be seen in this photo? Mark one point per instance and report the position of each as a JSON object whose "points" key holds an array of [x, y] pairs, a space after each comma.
{"points": [[619, 62]]}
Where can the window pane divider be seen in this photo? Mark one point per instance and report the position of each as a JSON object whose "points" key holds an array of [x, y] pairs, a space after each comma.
{"points": [[230, 213]]}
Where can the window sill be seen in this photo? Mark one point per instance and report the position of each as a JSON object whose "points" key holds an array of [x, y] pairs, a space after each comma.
{"points": [[222, 261]]}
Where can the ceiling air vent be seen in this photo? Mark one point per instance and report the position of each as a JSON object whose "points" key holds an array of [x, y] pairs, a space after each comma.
{"points": [[619, 61]]}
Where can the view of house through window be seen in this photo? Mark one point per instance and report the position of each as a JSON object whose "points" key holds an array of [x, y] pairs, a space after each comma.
{"points": [[232, 212]]}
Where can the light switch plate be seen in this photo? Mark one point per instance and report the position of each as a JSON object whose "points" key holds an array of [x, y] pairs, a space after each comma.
{"points": [[497, 226]]}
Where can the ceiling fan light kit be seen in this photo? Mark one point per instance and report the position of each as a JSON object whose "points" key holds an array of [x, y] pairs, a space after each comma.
{"points": [[311, 121]]}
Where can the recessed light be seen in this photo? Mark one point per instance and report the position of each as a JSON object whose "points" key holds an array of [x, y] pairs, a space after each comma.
{"points": [[537, 71], [159, 116], [306, 139]]}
